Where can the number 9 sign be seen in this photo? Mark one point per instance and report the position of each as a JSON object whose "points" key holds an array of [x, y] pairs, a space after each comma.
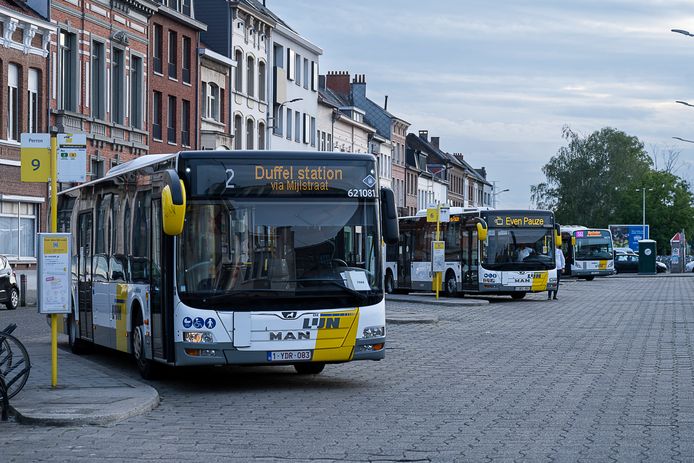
{"points": [[35, 155]]}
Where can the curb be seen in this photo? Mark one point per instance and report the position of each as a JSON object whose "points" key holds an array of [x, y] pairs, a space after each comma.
{"points": [[147, 401]]}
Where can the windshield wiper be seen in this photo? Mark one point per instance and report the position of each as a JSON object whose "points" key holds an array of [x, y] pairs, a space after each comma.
{"points": [[361, 296]]}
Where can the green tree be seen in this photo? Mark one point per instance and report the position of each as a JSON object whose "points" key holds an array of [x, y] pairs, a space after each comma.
{"points": [[593, 181]]}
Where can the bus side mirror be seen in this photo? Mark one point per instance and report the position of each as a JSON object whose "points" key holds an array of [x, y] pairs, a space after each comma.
{"points": [[573, 241], [389, 217], [557, 236], [173, 204], [482, 230]]}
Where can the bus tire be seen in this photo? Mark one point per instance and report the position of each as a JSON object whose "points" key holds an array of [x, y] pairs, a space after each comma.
{"points": [[450, 286], [77, 345], [146, 367], [310, 368], [517, 296], [389, 283], [590, 278]]}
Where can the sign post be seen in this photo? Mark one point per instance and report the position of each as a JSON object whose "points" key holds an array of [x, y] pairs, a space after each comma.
{"points": [[437, 213]]}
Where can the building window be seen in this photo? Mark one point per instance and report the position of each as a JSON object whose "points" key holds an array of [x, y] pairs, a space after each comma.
{"points": [[117, 85], [18, 230], [278, 56], [238, 122], [33, 104], [297, 66], [277, 122], [306, 75], [185, 7], [185, 123], [13, 117], [250, 76], [67, 71], [291, 64], [238, 77], [314, 76], [261, 136], [250, 134], [307, 128], [158, 48], [98, 92], [289, 124], [173, 57], [185, 65], [297, 127], [136, 84], [171, 122], [210, 101], [156, 116], [261, 81], [97, 167], [313, 131]]}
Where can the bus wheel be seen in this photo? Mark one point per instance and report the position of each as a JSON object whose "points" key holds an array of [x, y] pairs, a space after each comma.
{"points": [[389, 284], [450, 286], [591, 278], [309, 368], [77, 346], [146, 367], [517, 296]]}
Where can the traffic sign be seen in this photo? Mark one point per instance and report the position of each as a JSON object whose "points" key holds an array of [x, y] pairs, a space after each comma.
{"points": [[432, 214], [35, 154], [72, 157]]}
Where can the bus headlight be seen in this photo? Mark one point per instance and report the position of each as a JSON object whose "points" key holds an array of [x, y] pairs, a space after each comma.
{"points": [[197, 337], [374, 332]]}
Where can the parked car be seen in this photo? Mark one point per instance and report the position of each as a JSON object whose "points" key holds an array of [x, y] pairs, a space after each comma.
{"points": [[9, 291], [629, 263]]}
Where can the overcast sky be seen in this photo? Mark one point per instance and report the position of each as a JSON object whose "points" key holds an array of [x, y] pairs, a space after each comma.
{"points": [[498, 80]]}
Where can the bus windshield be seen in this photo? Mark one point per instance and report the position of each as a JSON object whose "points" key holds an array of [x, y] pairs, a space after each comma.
{"points": [[593, 245], [244, 254], [519, 248]]}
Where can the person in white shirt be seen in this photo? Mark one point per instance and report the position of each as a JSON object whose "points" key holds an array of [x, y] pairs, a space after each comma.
{"points": [[524, 252], [561, 262]]}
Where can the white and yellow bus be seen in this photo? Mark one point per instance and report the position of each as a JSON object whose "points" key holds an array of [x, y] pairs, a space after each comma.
{"points": [[231, 258], [588, 251], [505, 252]]}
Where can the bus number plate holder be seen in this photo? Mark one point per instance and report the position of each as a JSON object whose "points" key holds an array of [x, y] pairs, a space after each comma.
{"points": [[290, 356]]}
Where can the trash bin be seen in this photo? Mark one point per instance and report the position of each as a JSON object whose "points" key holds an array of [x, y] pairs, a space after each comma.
{"points": [[647, 257]]}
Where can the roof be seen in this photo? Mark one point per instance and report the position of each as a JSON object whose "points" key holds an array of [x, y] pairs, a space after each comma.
{"points": [[258, 6], [20, 7]]}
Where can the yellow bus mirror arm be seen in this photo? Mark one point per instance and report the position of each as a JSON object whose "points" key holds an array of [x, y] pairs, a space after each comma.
{"points": [[557, 240], [173, 204], [482, 230]]}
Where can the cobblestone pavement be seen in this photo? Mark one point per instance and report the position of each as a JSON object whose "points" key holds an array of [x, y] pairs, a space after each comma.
{"points": [[605, 373]]}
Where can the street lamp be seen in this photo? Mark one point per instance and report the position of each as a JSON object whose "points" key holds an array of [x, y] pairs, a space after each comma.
{"points": [[643, 232], [279, 108], [683, 139], [684, 103], [498, 193], [683, 32]]}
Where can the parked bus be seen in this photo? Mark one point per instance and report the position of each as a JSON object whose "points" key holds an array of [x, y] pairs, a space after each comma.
{"points": [[588, 251], [514, 258], [231, 258]]}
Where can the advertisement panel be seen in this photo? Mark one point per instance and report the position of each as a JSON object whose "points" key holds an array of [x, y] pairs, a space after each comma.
{"points": [[628, 236]]}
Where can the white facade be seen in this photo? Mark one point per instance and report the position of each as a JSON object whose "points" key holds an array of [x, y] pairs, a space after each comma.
{"points": [[250, 89], [383, 149], [215, 72], [294, 91], [430, 191]]}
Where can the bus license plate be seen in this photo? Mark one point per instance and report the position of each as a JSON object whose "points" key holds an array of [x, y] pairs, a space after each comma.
{"points": [[289, 356]]}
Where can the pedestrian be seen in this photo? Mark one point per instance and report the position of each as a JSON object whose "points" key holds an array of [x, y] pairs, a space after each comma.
{"points": [[561, 262]]}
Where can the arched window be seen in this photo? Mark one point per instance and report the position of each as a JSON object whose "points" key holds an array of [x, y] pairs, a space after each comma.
{"points": [[238, 78], [238, 122], [250, 134], [261, 135], [261, 81], [250, 78]]}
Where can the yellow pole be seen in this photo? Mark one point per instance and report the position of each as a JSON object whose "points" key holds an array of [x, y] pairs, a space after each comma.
{"points": [[437, 275], [54, 229]]}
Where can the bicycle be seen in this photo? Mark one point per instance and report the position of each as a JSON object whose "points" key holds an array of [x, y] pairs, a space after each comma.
{"points": [[14, 368]]}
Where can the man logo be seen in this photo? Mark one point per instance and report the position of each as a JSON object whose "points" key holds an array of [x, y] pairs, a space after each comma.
{"points": [[289, 315]]}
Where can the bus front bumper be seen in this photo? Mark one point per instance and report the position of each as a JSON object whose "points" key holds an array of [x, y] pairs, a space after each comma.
{"points": [[191, 354]]}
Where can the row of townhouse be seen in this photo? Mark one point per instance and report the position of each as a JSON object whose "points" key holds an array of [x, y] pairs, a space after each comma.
{"points": [[157, 76]]}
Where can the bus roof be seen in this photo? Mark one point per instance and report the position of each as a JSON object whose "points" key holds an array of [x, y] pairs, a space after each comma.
{"points": [[454, 210], [573, 228]]}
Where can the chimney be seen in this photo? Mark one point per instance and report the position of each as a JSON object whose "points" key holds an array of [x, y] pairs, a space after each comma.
{"points": [[385, 103], [338, 82], [435, 142], [424, 135]]}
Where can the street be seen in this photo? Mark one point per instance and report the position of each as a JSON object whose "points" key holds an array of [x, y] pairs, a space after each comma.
{"points": [[605, 372]]}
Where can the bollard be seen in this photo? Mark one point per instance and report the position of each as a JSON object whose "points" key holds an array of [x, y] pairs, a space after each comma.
{"points": [[23, 290]]}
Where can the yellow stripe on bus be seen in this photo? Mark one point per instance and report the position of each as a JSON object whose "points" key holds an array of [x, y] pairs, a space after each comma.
{"points": [[121, 318], [602, 265], [336, 339], [540, 281]]}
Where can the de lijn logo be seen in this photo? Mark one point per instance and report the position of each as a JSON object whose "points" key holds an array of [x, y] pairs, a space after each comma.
{"points": [[369, 181]]}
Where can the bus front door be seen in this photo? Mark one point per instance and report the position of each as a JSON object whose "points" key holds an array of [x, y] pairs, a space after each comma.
{"points": [[161, 288], [84, 276], [469, 259], [405, 246]]}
